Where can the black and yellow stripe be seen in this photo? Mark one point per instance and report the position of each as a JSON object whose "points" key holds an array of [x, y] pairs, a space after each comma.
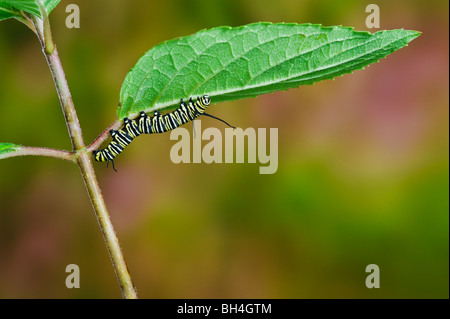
{"points": [[145, 124]]}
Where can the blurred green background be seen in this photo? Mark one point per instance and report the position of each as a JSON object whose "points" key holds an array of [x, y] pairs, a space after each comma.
{"points": [[362, 177]]}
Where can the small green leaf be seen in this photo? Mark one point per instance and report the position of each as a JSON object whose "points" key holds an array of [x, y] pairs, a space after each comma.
{"points": [[7, 148], [232, 63], [12, 8]]}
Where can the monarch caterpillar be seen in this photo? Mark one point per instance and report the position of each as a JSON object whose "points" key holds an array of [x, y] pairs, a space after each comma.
{"points": [[157, 123]]}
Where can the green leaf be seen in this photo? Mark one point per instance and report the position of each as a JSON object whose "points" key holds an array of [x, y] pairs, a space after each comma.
{"points": [[6, 11], [7, 148], [29, 6], [232, 63], [12, 8]]}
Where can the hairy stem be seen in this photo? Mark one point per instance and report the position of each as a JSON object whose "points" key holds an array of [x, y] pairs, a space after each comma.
{"points": [[40, 151], [43, 32], [49, 46], [57, 71], [112, 243]]}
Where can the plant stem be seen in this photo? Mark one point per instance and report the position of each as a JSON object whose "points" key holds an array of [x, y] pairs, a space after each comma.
{"points": [[43, 32], [49, 45], [57, 71], [40, 151], [112, 243]]}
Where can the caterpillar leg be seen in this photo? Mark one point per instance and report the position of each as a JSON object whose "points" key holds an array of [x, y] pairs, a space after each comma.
{"points": [[112, 161], [104, 155]]}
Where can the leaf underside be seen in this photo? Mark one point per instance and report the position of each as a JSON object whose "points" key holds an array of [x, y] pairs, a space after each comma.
{"points": [[233, 63], [12, 8]]}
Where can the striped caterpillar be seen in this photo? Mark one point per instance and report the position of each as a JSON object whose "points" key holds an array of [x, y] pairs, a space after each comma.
{"points": [[145, 124]]}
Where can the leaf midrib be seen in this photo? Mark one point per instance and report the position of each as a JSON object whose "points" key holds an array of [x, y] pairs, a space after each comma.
{"points": [[223, 92], [246, 87], [221, 69], [8, 11]]}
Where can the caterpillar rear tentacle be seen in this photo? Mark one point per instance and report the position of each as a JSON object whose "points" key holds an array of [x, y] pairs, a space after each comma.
{"points": [[145, 124]]}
